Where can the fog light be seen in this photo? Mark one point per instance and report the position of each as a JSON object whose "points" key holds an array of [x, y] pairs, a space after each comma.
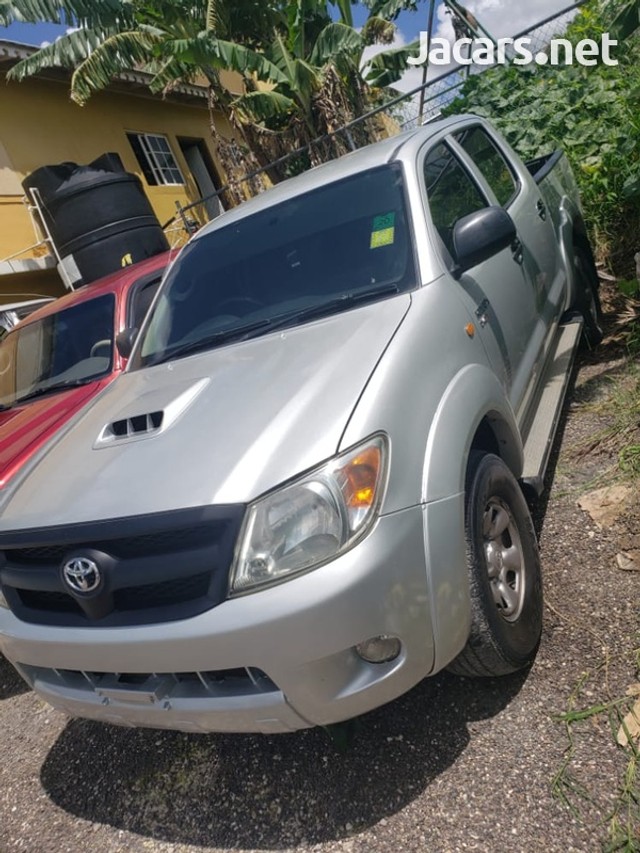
{"points": [[380, 649]]}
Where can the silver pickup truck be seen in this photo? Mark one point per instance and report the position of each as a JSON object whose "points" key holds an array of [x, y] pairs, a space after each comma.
{"points": [[308, 491]]}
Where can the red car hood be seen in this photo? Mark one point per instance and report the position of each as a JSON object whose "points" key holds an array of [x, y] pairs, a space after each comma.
{"points": [[25, 428]]}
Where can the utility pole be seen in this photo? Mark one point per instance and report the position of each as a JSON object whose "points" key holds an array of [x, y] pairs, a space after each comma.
{"points": [[465, 25], [425, 71]]}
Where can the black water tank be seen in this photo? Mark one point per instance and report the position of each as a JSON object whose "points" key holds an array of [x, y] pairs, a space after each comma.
{"points": [[98, 216]]}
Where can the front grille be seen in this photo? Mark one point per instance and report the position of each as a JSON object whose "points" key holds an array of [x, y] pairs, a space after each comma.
{"points": [[154, 568], [163, 594], [151, 686], [131, 598], [162, 542], [36, 555], [53, 602]]}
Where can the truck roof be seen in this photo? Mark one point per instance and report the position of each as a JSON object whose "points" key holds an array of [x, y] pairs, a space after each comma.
{"points": [[400, 147]]}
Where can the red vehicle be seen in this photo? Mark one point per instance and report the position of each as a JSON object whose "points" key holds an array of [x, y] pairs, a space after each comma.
{"points": [[64, 354]]}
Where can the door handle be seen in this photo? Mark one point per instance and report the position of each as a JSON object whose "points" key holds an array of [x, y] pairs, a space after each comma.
{"points": [[518, 251], [541, 207]]}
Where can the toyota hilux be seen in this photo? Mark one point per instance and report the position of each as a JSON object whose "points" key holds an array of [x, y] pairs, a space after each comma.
{"points": [[309, 489]]}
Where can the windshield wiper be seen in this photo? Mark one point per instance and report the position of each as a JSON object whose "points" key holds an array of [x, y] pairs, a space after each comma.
{"points": [[243, 333], [50, 389], [238, 333], [324, 309]]}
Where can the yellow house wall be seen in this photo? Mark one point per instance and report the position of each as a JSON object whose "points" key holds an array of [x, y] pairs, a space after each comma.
{"points": [[40, 125], [16, 230]]}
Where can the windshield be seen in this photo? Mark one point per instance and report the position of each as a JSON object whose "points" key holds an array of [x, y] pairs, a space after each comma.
{"points": [[318, 253], [65, 349]]}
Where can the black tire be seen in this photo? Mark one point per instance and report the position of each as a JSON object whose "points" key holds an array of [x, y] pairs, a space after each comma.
{"points": [[504, 573], [588, 298]]}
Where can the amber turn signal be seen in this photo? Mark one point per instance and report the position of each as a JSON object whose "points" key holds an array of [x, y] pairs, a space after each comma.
{"points": [[361, 478]]}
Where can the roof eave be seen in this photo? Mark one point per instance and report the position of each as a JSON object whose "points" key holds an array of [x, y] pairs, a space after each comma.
{"points": [[13, 52]]}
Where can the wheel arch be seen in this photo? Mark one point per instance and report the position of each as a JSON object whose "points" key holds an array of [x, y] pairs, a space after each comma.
{"points": [[585, 284], [495, 435], [474, 414], [573, 236], [581, 240]]}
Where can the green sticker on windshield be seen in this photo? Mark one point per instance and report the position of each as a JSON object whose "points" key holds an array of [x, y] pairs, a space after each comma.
{"points": [[383, 231]]}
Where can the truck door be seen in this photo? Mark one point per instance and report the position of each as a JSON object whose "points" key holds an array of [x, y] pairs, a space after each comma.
{"points": [[519, 194], [498, 292]]}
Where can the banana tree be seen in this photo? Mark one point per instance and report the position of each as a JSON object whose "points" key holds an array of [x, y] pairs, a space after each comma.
{"points": [[302, 69], [324, 84], [173, 39], [627, 20]]}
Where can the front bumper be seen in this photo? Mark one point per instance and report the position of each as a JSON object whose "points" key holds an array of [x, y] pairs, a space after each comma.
{"points": [[277, 660]]}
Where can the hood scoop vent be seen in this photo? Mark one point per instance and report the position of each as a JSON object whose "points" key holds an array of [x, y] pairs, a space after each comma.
{"points": [[136, 426], [161, 415]]}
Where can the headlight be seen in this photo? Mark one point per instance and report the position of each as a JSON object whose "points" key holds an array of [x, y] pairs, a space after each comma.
{"points": [[313, 520]]}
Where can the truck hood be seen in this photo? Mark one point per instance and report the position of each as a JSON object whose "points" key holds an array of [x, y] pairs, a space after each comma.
{"points": [[27, 427], [220, 427]]}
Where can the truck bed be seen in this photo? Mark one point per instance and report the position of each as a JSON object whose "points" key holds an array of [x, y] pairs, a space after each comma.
{"points": [[542, 166]]}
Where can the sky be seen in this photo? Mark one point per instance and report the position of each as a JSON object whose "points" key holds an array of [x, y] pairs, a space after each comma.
{"points": [[500, 17], [31, 33]]}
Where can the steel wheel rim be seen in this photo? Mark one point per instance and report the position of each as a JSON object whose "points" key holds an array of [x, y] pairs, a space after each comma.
{"points": [[504, 559]]}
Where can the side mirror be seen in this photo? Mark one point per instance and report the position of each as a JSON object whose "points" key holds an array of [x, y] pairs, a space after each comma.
{"points": [[125, 341], [480, 236]]}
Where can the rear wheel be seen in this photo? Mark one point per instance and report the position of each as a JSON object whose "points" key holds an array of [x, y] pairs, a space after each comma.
{"points": [[504, 573], [588, 300]]}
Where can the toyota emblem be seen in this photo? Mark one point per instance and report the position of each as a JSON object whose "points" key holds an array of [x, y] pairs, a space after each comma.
{"points": [[81, 574]]}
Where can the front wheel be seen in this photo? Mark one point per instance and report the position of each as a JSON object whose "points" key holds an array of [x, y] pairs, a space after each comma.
{"points": [[504, 573]]}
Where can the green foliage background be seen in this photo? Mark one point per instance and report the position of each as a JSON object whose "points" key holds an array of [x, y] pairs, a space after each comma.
{"points": [[592, 113]]}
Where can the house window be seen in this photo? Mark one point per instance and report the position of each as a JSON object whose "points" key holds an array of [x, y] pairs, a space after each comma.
{"points": [[156, 159]]}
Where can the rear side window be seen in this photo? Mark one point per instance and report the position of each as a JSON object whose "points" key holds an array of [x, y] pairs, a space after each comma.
{"points": [[451, 191], [495, 169], [141, 298]]}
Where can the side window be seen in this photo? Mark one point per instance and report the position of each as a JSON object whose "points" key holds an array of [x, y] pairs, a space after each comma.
{"points": [[451, 192], [141, 299], [490, 162]]}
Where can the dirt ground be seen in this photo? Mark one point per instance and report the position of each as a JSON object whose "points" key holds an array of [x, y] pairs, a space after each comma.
{"points": [[455, 765]]}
